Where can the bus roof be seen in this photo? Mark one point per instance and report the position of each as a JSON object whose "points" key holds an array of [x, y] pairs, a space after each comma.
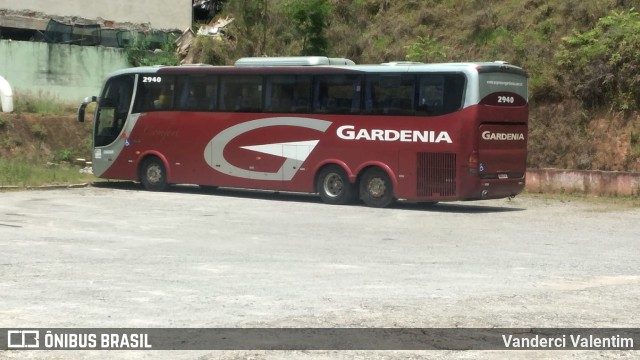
{"points": [[310, 64]]}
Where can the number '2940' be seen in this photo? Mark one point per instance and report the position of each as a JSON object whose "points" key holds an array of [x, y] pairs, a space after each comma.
{"points": [[151, 79], [506, 100]]}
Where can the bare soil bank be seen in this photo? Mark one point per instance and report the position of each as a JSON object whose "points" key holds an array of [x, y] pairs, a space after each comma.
{"points": [[38, 138]]}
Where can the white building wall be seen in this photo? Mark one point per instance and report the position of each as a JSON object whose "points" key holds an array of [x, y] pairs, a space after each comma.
{"points": [[159, 14], [67, 72]]}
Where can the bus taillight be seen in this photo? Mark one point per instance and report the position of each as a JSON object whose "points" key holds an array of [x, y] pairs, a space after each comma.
{"points": [[473, 162]]}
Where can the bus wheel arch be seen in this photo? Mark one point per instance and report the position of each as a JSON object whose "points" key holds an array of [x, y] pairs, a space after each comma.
{"points": [[333, 185], [376, 187], [153, 173]]}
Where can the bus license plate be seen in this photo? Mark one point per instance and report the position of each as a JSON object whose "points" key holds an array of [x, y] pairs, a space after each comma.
{"points": [[503, 176]]}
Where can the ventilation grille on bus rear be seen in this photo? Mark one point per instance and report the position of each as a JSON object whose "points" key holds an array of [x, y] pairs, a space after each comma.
{"points": [[436, 174]]}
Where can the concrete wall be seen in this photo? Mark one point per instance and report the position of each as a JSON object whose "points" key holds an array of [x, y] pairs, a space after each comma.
{"points": [[603, 183], [160, 14], [69, 72]]}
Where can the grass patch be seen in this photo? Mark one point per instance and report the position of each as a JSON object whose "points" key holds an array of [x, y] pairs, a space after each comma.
{"points": [[25, 174], [42, 102]]}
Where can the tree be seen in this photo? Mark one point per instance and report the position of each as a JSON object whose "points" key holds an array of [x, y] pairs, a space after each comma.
{"points": [[310, 19], [602, 65], [426, 49]]}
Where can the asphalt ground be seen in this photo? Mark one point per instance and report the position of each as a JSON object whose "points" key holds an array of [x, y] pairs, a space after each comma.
{"points": [[115, 256]]}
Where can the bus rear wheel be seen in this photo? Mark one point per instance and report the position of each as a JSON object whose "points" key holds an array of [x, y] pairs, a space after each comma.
{"points": [[334, 187], [154, 175], [376, 189]]}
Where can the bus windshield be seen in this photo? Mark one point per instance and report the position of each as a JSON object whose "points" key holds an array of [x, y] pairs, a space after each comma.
{"points": [[112, 109]]}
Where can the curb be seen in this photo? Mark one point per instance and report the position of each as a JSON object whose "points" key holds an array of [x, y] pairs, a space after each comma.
{"points": [[56, 187], [588, 182]]}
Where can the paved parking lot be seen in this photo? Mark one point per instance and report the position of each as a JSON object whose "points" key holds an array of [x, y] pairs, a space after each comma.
{"points": [[116, 256]]}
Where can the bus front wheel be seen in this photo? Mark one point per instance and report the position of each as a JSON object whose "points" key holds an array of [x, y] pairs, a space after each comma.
{"points": [[334, 187], [376, 189], [154, 175]]}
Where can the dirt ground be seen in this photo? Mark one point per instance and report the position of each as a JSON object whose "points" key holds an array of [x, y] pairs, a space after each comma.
{"points": [[114, 256], [41, 138]]}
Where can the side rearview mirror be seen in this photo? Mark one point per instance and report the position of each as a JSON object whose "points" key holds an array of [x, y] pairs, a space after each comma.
{"points": [[81, 109]]}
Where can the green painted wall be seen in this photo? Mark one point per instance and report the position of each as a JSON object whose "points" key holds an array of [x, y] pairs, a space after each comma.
{"points": [[69, 72]]}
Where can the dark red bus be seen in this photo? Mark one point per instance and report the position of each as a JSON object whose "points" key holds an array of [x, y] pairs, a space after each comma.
{"points": [[421, 132]]}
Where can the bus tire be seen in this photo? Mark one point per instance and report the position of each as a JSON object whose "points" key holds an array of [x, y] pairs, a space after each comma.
{"points": [[376, 188], [154, 175], [334, 187]]}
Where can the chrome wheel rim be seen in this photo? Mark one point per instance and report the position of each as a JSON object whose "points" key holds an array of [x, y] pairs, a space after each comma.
{"points": [[376, 188], [154, 174], [333, 185]]}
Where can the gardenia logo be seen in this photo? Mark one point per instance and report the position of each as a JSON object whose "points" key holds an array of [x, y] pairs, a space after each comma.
{"points": [[488, 135], [294, 152], [349, 132]]}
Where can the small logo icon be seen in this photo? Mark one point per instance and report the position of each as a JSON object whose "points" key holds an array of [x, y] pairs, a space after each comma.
{"points": [[23, 339], [481, 167]]}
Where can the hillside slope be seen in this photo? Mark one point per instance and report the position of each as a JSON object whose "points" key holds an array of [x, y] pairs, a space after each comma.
{"points": [[41, 139], [582, 57]]}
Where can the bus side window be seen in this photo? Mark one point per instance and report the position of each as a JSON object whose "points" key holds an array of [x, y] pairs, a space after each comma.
{"points": [[288, 94], [211, 95], [197, 93], [431, 94], [454, 92], [184, 92], [164, 101], [241, 93], [337, 94], [440, 94], [302, 94], [154, 95], [390, 94]]}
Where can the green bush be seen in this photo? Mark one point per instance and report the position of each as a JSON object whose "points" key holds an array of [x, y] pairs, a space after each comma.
{"points": [[142, 53], [38, 131], [602, 65], [65, 155], [426, 49], [210, 50], [310, 19]]}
